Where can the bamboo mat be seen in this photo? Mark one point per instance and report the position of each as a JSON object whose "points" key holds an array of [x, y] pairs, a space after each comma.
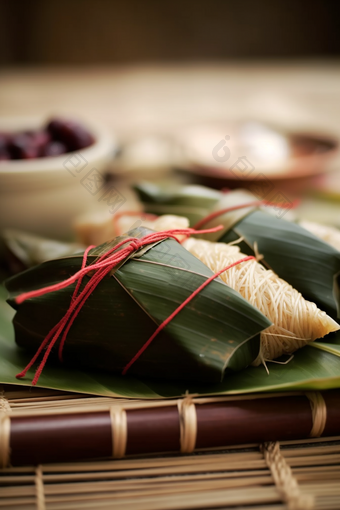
{"points": [[238, 477]]}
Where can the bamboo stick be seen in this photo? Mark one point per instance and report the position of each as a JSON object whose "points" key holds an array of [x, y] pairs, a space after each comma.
{"points": [[58, 430]]}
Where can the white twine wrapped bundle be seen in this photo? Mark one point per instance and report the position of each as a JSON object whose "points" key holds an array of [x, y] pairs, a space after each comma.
{"points": [[296, 321]]}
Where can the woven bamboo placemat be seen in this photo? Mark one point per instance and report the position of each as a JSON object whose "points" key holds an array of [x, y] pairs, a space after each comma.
{"points": [[293, 475]]}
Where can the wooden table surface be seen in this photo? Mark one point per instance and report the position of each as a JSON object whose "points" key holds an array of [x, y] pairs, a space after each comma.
{"points": [[153, 98]]}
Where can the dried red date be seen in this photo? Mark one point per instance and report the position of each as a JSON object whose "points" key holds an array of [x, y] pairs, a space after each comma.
{"points": [[72, 134], [58, 137], [3, 141], [21, 147], [39, 139], [4, 154]]}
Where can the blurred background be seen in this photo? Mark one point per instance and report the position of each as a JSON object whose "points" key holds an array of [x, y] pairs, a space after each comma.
{"points": [[167, 81], [133, 31]]}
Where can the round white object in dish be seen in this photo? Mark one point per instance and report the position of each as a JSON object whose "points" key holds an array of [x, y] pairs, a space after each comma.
{"points": [[43, 195], [252, 150]]}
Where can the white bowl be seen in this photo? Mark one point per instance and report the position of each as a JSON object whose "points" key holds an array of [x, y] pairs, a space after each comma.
{"points": [[43, 195]]}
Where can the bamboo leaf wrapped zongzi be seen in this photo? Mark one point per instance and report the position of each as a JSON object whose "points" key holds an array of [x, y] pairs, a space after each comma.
{"points": [[309, 264], [217, 330]]}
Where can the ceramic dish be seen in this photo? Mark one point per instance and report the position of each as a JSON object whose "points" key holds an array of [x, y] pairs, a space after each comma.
{"points": [[43, 195]]}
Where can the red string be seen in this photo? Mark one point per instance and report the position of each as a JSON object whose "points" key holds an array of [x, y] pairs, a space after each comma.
{"points": [[75, 293], [166, 322], [101, 268], [212, 216]]}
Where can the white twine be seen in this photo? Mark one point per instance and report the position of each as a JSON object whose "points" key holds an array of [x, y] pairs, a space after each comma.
{"points": [[296, 321], [119, 431], [188, 424]]}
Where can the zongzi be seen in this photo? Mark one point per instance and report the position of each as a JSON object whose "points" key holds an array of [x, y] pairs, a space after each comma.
{"points": [[103, 316], [296, 321], [302, 259]]}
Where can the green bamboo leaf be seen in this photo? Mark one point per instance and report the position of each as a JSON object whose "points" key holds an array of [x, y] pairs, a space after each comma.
{"points": [[192, 201], [310, 369], [309, 264], [217, 330], [31, 249], [331, 343]]}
